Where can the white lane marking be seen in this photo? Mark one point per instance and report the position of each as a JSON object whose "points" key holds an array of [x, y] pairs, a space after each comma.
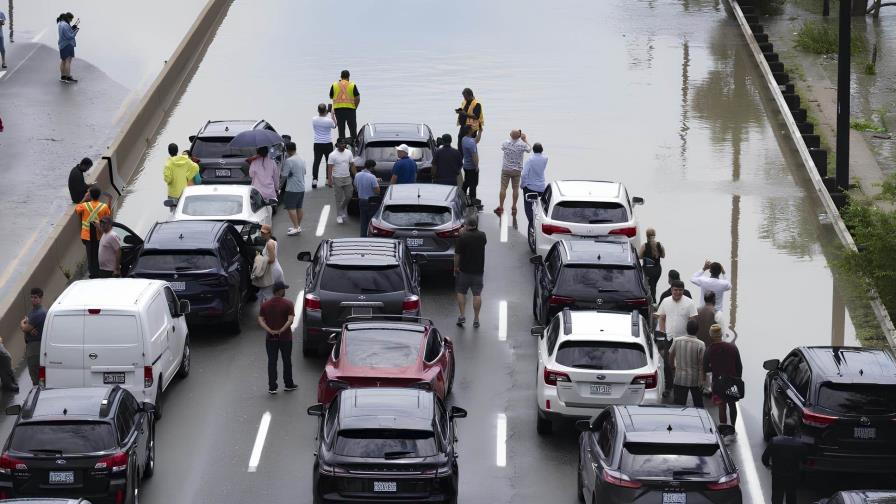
{"points": [[8, 75], [748, 465], [39, 36], [322, 223], [503, 224], [501, 458], [255, 457], [502, 321], [2, 73], [300, 305]]}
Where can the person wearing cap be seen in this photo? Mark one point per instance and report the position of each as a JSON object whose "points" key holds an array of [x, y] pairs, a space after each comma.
{"points": [[77, 186], [446, 163], [723, 361], [340, 168], [469, 268], [109, 253], [276, 316], [404, 171], [368, 186]]}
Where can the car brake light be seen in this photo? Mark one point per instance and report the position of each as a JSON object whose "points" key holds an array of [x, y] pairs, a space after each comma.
{"points": [[631, 232], [816, 420], [147, 377], [619, 479], [375, 230], [312, 302], [93, 311], [637, 302], [648, 380], [725, 482], [411, 304], [552, 377], [8, 464], [42, 376], [550, 229], [450, 233], [114, 463], [561, 300]]}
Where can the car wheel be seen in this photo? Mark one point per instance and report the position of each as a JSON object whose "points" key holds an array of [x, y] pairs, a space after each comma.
{"points": [[450, 380], [184, 370], [149, 467], [530, 236], [543, 426], [580, 486], [309, 349], [159, 400], [768, 430]]}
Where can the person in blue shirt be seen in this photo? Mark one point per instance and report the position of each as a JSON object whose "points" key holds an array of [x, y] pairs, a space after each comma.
{"points": [[404, 171], [367, 186], [532, 179], [67, 43]]}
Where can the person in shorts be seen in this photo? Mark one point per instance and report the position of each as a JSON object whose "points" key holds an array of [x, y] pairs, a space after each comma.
{"points": [[514, 149], [294, 170], [469, 268]]}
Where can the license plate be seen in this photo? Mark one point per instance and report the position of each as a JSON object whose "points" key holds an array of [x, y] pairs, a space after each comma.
{"points": [[601, 389], [62, 477], [415, 242], [385, 486], [865, 433], [113, 378], [178, 286], [364, 312], [675, 498], [222, 173]]}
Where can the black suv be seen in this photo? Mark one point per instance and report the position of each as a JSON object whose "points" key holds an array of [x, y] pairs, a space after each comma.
{"points": [[356, 276], [205, 262], [96, 443], [654, 454], [861, 497], [602, 274], [843, 400], [384, 445], [218, 162]]}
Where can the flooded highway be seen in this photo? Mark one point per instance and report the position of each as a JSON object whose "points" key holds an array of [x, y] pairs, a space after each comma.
{"points": [[660, 95]]}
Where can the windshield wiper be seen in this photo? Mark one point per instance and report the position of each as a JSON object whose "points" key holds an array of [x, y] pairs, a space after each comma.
{"points": [[396, 454], [45, 450]]}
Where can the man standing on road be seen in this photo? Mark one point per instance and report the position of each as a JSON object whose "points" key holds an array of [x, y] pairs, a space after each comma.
{"points": [[532, 179], [686, 356], [340, 168], [404, 171], [179, 172], [723, 361], [514, 149], [275, 316], [446, 163], [785, 453], [33, 328], [77, 186], [673, 275], [346, 99], [368, 187], [707, 317], [470, 114], [90, 212], [470, 152], [109, 254], [294, 169], [715, 282], [676, 311], [323, 126], [2, 46], [469, 268], [265, 173]]}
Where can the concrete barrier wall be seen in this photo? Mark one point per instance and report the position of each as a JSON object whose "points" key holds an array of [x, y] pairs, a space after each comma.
{"points": [[62, 254]]}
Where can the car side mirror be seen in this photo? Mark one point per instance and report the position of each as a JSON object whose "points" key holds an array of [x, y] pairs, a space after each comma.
{"points": [[192, 138], [536, 260], [583, 425], [333, 338], [637, 200], [771, 364], [532, 197], [420, 259], [14, 409], [170, 203], [316, 410], [537, 331], [148, 407], [131, 240], [183, 306], [456, 412], [304, 256]]}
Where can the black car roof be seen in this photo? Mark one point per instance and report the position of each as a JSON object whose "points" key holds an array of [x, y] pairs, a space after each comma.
{"points": [[614, 251], [667, 424], [228, 128], [851, 364], [430, 194], [386, 408], [184, 235], [363, 251], [397, 131], [75, 403]]}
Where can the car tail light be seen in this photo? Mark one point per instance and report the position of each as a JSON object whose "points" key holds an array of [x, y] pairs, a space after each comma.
{"points": [[8, 464], [816, 420], [93, 311], [547, 404], [551, 377], [147, 377], [119, 496], [648, 380], [312, 302], [619, 479], [550, 229], [725, 482], [561, 300], [637, 302], [114, 463], [450, 233], [337, 384], [410, 305], [4, 495], [325, 468], [631, 232], [42, 376], [374, 230]]}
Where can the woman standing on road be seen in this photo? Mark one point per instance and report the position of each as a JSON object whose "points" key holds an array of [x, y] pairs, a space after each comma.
{"points": [[270, 252], [67, 44], [651, 253]]}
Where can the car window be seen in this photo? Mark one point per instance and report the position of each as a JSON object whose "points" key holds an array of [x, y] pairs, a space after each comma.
{"points": [[256, 200], [546, 198], [158, 315], [444, 423], [378, 443], [68, 437], [230, 247], [858, 399], [788, 367], [662, 460], [171, 299], [385, 152], [218, 147], [802, 378], [212, 205], [416, 215], [355, 280], [605, 437], [552, 262], [433, 347], [330, 422], [553, 333], [589, 212], [382, 348], [587, 281], [601, 355], [124, 420], [170, 261]]}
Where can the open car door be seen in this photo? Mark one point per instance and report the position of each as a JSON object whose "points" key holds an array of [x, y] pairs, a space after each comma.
{"points": [[131, 246]]}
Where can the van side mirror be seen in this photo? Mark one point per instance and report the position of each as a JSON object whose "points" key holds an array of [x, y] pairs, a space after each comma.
{"points": [[170, 203], [583, 425], [771, 364], [304, 256], [456, 412], [536, 260], [183, 306], [537, 331], [637, 200], [192, 138], [316, 410], [14, 409]]}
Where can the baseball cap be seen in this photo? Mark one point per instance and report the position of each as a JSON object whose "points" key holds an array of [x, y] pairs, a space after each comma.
{"points": [[278, 285], [403, 147]]}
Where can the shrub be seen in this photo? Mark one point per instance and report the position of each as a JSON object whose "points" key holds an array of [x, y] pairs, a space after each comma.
{"points": [[823, 38]]}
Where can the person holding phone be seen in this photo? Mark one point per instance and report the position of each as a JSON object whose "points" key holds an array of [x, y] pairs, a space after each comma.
{"points": [[470, 114], [67, 43], [323, 125]]}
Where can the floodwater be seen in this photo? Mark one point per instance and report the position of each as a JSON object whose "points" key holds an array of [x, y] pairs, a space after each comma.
{"points": [[661, 95]]}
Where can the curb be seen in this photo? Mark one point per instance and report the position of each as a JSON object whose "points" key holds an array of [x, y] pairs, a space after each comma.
{"points": [[802, 136]]}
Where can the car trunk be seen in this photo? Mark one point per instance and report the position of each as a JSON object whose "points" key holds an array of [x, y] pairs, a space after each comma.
{"points": [[63, 357], [336, 306], [347, 290], [194, 275], [591, 218], [219, 162], [680, 472], [864, 418], [424, 228], [113, 351], [47, 478], [601, 373], [599, 287]]}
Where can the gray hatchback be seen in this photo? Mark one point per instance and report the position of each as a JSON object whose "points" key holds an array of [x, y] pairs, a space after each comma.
{"points": [[427, 217]]}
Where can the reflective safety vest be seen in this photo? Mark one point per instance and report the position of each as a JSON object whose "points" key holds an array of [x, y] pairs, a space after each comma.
{"points": [[476, 124], [343, 94], [91, 215]]}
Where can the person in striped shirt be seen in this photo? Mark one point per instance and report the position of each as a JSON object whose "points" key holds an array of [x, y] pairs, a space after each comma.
{"points": [[686, 356]]}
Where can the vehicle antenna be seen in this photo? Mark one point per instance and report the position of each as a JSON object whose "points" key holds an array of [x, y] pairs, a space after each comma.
{"points": [[669, 428], [65, 411]]}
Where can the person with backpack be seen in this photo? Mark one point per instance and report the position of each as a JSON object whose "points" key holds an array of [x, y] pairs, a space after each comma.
{"points": [[651, 253]]}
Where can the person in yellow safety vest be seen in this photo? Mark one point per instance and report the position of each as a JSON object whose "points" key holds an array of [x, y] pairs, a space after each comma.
{"points": [[179, 172], [91, 211], [470, 114], [346, 99]]}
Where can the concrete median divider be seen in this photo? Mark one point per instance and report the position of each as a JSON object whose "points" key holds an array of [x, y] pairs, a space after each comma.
{"points": [[61, 258]]}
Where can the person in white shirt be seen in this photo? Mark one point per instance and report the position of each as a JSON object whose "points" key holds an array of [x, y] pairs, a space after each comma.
{"points": [[675, 311], [340, 168], [323, 125], [514, 149], [715, 282]]}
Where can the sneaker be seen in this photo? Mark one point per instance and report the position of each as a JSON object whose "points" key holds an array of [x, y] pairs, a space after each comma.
{"points": [[290, 388], [339, 219], [272, 391], [291, 232], [71, 79], [63, 79], [475, 324], [314, 184], [298, 230], [461, 321]]}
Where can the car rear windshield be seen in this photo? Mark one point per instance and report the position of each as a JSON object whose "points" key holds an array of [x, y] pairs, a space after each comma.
{"points": [[218, 147], [601, 355], [66, 437], [385, 443], [668, 460], [385, 152], [192, 260], [858, 399], [416, 215], [369, 280], [590, 281], [213, 205], [383, 348], [589, 212]]}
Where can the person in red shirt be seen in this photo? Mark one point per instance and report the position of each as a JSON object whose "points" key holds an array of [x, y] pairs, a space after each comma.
{"points": [[723, 360], [275, 317]]}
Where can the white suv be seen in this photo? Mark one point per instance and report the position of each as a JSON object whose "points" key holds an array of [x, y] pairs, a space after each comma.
{"points": [[581, 209], [588, 360]]}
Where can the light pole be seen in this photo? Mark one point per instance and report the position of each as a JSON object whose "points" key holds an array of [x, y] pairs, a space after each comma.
{"points": [[843, 66]]}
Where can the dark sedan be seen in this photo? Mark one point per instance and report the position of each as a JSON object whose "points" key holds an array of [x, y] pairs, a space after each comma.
{"points": [[218, 162]]}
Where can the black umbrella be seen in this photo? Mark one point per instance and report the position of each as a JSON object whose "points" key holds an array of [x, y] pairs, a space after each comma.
{"points": [[255, 138]]}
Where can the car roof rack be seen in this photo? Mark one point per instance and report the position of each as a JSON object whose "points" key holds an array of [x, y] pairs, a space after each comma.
{"points": [[393, 318], [106, 403], [567, 322], [30, 403]]}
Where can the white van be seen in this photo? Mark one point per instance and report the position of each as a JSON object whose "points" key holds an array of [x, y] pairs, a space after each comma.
{"points": [[130, 332]]}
